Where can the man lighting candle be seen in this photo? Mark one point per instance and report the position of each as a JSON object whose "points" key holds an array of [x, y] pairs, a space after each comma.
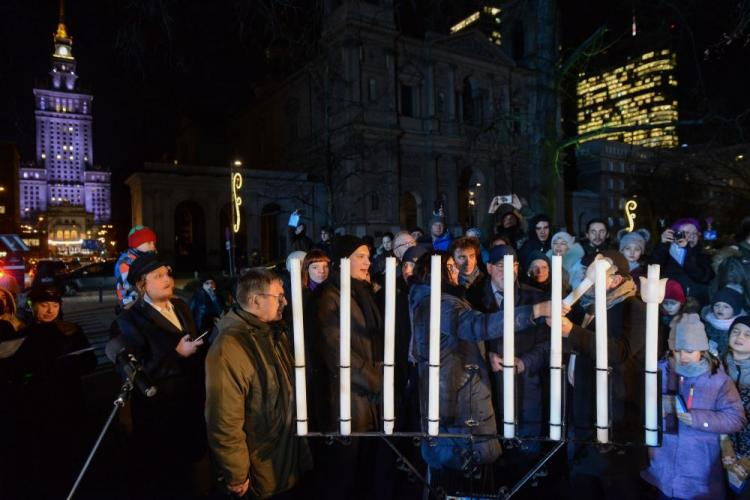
{"points": [[597, 471], [531, 358], [465, 400]]}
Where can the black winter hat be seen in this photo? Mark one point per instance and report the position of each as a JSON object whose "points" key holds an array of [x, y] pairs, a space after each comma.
{"points": [[731, 297], [413, 254], [143, 265], [344, 245], [45, 294], [744, 320]]}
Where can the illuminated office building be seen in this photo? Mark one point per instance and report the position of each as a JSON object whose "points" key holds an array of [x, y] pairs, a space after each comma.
{"points": [[486, 20], [639, 93]]}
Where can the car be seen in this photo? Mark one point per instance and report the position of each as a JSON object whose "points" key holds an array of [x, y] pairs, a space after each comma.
{"points": [[90, 277], [48, 272]]}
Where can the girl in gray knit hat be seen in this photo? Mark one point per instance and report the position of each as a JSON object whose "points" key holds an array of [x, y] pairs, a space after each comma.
{"points": [[702, 403]]}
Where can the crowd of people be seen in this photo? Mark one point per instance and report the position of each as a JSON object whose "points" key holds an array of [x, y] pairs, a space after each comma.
{"points": [[223, 420]]}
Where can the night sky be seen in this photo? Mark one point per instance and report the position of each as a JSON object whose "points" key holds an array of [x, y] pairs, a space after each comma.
{"points": [[163, 69]]}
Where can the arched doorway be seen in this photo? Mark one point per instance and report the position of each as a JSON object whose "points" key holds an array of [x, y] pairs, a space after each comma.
{"points": [[408, 212], [241, 251], [471, 199], [272, 245], [190, 237]]}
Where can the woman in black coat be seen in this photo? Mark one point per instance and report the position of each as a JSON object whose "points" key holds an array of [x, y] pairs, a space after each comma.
{"points": [[168, 429], [49, 432]]}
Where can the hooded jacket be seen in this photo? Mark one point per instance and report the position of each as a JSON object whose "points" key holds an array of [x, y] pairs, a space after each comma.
{"points": [[250, 406], [465, 395]]}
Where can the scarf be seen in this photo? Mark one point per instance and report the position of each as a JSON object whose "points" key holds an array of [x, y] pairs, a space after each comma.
{"points": [[738, 370], [468, 279], [692, 369], [719, 324]]}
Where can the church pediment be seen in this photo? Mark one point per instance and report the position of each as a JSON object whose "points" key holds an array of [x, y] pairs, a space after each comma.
{"points": [[473, 43]]}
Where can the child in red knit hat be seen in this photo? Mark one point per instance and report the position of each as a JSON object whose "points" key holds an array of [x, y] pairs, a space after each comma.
{"points": [[141, 240]]}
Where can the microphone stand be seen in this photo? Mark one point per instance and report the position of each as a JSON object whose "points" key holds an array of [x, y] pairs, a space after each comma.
{"points": [[122, 399]]}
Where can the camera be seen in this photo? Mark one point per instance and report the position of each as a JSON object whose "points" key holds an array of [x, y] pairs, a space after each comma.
{"points": [[679, 235]]}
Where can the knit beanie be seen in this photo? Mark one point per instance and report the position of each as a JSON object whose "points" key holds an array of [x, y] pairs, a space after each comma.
{"points": [[413, 254], [536, 255], [690, 334], [638, 238], [140, 235], [731, 297], [742, 320], [344, 245], [674, 291], [437, 218], [562, 235]]}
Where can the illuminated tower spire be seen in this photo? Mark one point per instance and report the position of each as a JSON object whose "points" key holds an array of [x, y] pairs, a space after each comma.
{"points": [[63, 71]]}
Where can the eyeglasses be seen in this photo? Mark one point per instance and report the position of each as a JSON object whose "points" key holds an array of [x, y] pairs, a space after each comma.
{"points": [[280, 297]]}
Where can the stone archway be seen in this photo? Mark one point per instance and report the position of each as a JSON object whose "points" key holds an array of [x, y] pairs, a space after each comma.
{"points": [[408, 214], [272, 244], [190, 237]]}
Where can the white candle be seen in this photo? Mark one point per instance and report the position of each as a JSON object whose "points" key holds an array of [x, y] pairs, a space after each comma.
{"points": [[576, 294], [555, 352], [345, 398], [299, 348], [652, 293], [390, 344], [509, 355], [433, 403], [602, 362]]}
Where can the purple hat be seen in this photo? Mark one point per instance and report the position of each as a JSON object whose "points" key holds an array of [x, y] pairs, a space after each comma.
{"points": [[685, 220]]}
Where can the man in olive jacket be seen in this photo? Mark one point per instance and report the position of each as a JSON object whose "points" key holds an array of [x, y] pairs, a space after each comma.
{"points": [[250, 396]]}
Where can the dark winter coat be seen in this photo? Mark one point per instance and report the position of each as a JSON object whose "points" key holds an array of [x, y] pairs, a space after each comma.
{"points": [[205, 309], [176, 411], [688, 464], [298, 241], [465, 395], [532, 245], [250, 406], [366, 354], [532, 347], [694, 275], [626, 324]]}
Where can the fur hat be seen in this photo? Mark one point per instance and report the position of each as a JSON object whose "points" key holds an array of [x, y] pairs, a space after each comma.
{"points": [[563, 235], [45, 293]]}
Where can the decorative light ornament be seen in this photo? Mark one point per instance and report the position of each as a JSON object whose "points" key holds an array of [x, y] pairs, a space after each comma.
{"points": [[236, 200], [630, 215]]}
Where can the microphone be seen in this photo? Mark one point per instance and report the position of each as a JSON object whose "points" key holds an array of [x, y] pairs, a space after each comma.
{"points": [[128, 366]]}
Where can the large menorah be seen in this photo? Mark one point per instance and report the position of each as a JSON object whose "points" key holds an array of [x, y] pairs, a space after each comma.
{"points": [[652, 293]]}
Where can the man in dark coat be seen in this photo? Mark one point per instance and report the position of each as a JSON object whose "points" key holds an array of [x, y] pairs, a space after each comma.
{"points": [[532, 357], [351, 465], [681, 259], [612, 471], [169, 431], [206, 305]]}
